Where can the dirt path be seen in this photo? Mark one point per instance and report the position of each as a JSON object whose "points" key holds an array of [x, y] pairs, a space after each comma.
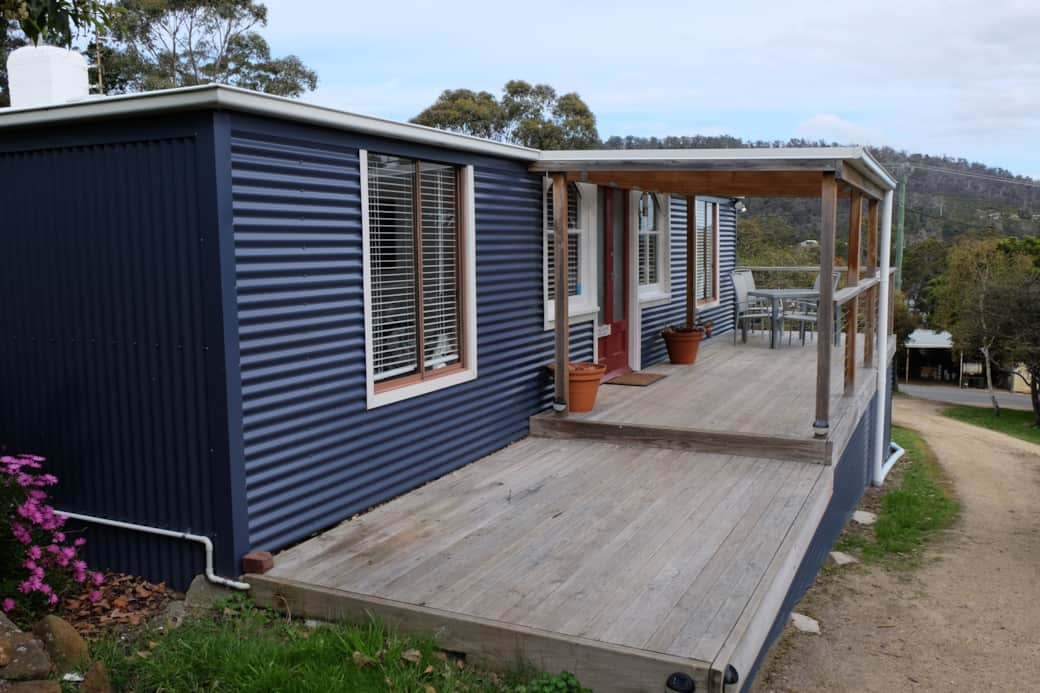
{"points": [[968, 617]]}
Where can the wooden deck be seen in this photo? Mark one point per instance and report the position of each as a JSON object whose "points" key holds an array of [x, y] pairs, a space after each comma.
{"points": [[623, 560], [570, 554], [744, 398]]}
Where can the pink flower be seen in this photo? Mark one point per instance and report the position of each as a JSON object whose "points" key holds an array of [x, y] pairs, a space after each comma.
{"points": [[53, 599], [35, 552], [79, 542], [94, 596], [98, 578], [59, 537], [7, 604]]}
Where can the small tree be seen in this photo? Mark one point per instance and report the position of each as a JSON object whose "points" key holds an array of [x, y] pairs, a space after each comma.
{"points": [[531, 115], [977, 301]]}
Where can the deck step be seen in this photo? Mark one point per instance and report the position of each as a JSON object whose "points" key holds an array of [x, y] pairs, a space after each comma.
{"points": [[813, 450]]}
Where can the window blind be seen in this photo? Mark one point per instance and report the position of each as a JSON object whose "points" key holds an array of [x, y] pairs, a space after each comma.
{"points": [[649, 240], [413, 266], [573, 242], [705, 251]]}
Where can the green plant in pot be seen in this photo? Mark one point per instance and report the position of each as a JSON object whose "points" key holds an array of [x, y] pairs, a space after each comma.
{"points": [[683, 341]]}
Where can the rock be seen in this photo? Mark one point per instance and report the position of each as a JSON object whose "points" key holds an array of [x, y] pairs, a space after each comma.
{"points": [[839, 558], [33, 687], [68, 650], [203, 594], [6, 626], [6, 652], [173, 615], [28, 658], [804, 623], [96, 680], [862, 517]]}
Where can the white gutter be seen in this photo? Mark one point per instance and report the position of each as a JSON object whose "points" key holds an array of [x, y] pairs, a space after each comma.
{"points": [[880, 444], [205, 541]]}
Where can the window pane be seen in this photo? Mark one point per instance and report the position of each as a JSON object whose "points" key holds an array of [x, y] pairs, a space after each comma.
{"points": [[573, 265], [440, 286], [705, 259], [647, 212], [391, 212]]}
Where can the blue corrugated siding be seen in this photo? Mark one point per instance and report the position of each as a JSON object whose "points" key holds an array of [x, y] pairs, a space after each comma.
{"points": [[110, 361], [314, 454], [657, 318], [851, 477]]}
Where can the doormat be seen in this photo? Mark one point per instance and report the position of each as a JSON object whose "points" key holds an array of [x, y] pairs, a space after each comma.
{"points": [[636, 378]]}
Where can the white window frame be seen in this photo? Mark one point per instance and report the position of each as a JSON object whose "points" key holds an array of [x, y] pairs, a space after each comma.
{"points": [[660, 292], [584, 306], [468, 276], [717, 300]]}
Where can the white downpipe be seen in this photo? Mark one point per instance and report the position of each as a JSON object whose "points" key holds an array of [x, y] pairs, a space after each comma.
{"points": [[896, 453], [205, 541], [880, 444]]}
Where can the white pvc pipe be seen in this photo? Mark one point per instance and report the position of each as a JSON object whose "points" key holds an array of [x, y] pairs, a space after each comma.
{"points": [[880, 444], [205, 541], [896, 453]]}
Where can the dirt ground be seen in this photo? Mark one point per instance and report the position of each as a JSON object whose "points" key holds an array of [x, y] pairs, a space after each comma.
{"points": [[967, 617]]}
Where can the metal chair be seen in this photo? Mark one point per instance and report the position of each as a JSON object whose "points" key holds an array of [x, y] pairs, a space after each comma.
{"points": [[807, 312], [746, 309]]}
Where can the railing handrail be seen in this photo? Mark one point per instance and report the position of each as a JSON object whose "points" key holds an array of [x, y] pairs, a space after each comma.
{"points": [[786, 268]]}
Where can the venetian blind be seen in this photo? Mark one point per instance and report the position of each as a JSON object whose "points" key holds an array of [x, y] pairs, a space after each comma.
{"points": [[573, 242], [705, 257], [649, 240], [413, 221]]}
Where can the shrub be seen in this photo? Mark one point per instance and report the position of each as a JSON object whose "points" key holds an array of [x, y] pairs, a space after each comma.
{"points": [[39, 562], [564, 682]]}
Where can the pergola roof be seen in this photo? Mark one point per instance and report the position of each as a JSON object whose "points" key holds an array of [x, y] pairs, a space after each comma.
{"points": [[773, 172]]}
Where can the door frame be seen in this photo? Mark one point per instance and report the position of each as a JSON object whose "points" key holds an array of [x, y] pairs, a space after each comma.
{"points": [[611, 197]]}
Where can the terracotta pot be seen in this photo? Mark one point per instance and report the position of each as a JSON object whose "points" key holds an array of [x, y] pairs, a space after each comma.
{"points": [[583, 385], [682, 344]]}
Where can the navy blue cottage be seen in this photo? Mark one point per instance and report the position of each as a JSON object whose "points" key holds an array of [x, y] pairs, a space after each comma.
{"points": [[184, 323]]}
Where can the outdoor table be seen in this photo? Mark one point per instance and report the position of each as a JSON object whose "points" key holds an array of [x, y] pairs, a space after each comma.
{"points": [[776, 296]]}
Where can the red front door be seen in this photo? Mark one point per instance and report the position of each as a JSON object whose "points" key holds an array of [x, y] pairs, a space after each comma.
{"points": [[613, 289]]}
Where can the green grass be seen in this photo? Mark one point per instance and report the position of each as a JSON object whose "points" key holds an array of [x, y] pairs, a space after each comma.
{"points": [[1012, 422], [912, 511], [242, 648]]}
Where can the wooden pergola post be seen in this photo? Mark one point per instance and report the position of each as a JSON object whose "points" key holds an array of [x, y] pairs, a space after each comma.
{"points": [[852, 307], [562, 295], [828, 227], [870, 319], [691, 259]]}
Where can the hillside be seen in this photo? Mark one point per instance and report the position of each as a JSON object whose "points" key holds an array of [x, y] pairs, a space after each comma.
{"points": [[946, 196]]}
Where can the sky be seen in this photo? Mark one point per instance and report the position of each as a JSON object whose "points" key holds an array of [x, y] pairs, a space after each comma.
{"points": [[951, 77]]}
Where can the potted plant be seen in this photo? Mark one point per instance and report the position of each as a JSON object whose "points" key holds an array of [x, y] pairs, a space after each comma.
{"points": [[683, 341], [583, 384]]}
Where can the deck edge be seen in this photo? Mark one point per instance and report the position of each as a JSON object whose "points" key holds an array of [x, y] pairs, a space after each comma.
{"points": [[813, 450], [493, 644]]}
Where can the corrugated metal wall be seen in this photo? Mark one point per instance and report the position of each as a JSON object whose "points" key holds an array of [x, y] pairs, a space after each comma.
{"points": [[657, 318], [314, 454], [110, 357]]}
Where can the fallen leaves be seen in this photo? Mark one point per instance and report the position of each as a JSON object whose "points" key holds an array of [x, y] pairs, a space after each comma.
{"points": [[362, 660], [126, 600], [413, 656]]}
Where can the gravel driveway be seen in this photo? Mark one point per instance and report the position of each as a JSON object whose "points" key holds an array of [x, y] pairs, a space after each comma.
{"points": [[968, 617]]}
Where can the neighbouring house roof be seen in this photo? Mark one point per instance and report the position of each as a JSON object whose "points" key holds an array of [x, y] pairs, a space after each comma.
{"points": [[754, 162], [929, 339]]}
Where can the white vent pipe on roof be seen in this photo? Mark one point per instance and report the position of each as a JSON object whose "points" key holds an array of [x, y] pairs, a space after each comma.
{"points": [[46, 76]]}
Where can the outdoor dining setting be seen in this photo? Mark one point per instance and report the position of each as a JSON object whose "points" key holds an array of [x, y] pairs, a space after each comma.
{"points": [[778, 309]]}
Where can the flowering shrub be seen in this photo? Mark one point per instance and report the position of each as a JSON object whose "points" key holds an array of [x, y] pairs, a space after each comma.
{"points": [[39, 563]]}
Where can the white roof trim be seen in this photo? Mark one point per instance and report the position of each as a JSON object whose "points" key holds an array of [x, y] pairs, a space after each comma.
{"points": [[219, 96], [929, 339]]}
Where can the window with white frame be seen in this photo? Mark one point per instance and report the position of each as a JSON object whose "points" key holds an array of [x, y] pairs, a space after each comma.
{"points": [[416, 275], [580, 276], [706, 263], [652, 248]]}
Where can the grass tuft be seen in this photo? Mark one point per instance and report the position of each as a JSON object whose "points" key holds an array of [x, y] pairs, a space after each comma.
{"points": [[1012, 422], [242, 648], [909, 513]]}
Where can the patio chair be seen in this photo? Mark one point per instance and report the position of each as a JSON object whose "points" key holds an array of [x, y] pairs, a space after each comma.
{"points": [[806, 313], [746, 309]]}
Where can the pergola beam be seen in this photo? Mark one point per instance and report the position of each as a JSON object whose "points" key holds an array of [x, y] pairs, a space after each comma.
{"points": [[852, 280], [714, 183], [870, 322]]}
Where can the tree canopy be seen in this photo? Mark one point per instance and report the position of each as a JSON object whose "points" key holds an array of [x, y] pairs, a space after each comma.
{"points": [[160, 44], [531, 115]]}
